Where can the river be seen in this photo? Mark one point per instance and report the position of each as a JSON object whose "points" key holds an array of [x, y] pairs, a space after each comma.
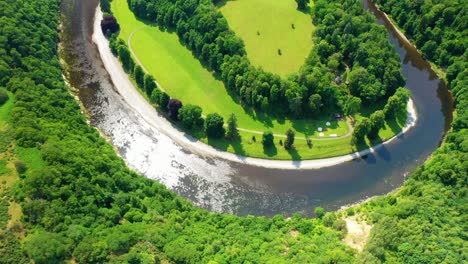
{"points": [[225, 186]]}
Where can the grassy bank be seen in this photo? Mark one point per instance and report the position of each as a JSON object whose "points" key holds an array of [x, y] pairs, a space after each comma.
{"points": [[269, 26]]}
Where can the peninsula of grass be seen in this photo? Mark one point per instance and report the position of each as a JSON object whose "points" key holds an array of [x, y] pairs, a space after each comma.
{"points": [[277, 36], [183, 77]]}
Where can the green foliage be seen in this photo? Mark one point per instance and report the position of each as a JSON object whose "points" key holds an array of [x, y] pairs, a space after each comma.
{"points": [[139, 75], [352, 105], [232, 131], [267, 139], [319, 212], [396, 103], [164, 100], [214, 126], [3, 96], [377, 122], [425, 221], [315, 103], [91, 250], [84, 194], [360, 131], [191, 115], [125, 57], [150, 86], [45, 247], [203, 30], [302, 4], [10, 249], [289, 142]]}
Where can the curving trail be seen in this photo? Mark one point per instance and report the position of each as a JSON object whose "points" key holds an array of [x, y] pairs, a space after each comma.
{"points": [[129, 93]]}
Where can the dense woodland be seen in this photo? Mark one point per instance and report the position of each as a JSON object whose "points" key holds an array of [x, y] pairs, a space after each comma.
{"points": [[425, 221], [348, 45], [83, 203]]}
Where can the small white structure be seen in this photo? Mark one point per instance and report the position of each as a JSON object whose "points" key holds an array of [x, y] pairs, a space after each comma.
{"points": [[319, 129], [328, 124], [321, 134], [333, 135]]}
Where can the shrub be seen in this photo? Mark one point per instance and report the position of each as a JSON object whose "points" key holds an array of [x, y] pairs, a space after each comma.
{"points": [[190, 115], [214, 126], [267, 139], [289, 142], [173, 108]]}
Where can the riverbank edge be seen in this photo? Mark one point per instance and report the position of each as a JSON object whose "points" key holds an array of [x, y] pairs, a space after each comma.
{"points": [[126, 88], [438, 71]]}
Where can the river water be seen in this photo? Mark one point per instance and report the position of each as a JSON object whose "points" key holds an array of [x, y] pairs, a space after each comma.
{"points": [[224, 186]]}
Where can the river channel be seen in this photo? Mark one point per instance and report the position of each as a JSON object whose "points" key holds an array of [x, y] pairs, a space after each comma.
{"points": [[232, 187]]}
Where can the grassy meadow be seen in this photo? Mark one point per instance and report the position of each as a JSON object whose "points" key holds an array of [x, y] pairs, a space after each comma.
{"points": [[183, 77], [268, 26]]}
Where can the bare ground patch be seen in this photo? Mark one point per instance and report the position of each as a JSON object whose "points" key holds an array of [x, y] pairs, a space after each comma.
{"points": [[358, 232]]}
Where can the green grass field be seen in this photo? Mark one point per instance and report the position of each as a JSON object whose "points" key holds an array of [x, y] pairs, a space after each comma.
{"points": [[183, 77], [266, 26]]}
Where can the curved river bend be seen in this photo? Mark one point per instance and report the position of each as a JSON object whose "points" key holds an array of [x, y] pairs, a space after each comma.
{"points": [[224, 186]]}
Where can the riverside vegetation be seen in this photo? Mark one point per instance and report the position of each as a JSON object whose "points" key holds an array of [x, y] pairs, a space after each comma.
{"points": [[263, 101], [82, 204]]}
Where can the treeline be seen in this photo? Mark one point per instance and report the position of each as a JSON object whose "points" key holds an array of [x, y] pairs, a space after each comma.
{"points": [[84, 204], [346, 38], [425, 221], [437, 27]]}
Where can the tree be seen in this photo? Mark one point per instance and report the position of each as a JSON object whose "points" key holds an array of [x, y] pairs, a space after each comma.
{"points": [[315, 103], [190, 115], [319, 212], [155, 96], [267, 139], [289, 142], [360, 131], [139, 77], [214, 126], [149, 84], [396, 103], [109, 23], [3, 97], [125, 58], [45, 247], [377, 121], [352, 106], [173, 108], [164, 100], [232, 131], [302, 4]]}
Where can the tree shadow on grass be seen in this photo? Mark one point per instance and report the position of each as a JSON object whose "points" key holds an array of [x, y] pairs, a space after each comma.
{"points": [[307, 10], [238, 147], [221, 3], [396, 124], [224, 143], [294, 154], [270, 151]]}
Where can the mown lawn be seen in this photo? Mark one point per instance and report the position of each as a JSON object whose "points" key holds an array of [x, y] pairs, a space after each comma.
{"points": [[267, 26], [183, 77]]}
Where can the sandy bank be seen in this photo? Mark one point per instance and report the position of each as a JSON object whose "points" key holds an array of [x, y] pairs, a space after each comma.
{"points": [[141, 107]]}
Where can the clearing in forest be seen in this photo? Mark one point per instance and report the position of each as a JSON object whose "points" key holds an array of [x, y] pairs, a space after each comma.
{"points": [[277, 36]]}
